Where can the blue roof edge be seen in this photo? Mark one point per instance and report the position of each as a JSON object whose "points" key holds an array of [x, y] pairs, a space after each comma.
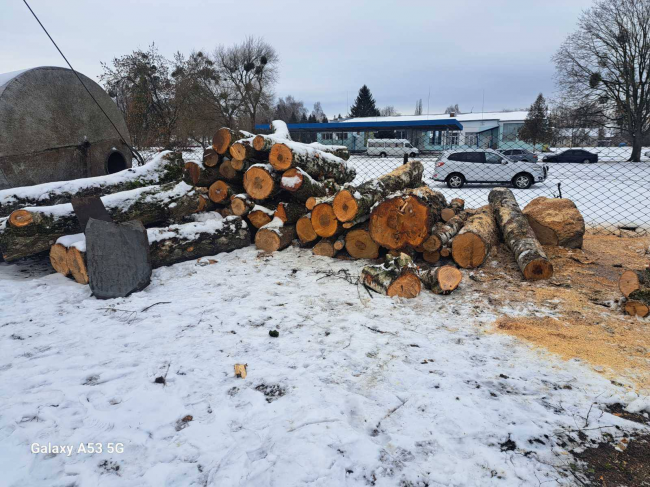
{"points": [[349, 126]]}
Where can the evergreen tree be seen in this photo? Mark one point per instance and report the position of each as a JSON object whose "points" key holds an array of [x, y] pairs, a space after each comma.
{"points": [[293, 118], [364, 105], [536, 128], [324, 119], [312, 119], [303, 119]]}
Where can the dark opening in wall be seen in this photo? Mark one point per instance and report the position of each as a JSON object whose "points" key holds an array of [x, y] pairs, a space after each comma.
{"points": [[115, 163]]}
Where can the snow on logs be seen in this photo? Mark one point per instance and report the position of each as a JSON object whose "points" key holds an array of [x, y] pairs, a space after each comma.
{"points": [[397, 276], [274, 236], [167, 245], [318, 164], [165, 167], [29, 231], [519, 236], [353, 202]]}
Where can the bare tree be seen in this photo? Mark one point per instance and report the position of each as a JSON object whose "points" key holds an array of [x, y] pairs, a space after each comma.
{"points": [[388, 111], [317, 113], [453, 109], [606, 64], [289, 109], [251, 67], [418, 107]]}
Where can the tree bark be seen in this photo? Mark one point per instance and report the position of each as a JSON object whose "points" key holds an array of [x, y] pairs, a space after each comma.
{"points": [[302, 186], [319, 165], [312, 202], [261, 181], [290, 212], [274, 236], [406, 218], [29, 231], [228, 173], [243, 149], [397, 276], [241, 204], [519, 236], [338, 150], [443, 233], [441, 280], [164, 168], [354, 202], [473, 243]]}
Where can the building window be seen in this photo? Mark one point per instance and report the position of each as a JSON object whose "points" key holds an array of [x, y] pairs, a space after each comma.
{"points": [[327, 136], [511, 131], [471, 139], [450, 137], [342, 135]]}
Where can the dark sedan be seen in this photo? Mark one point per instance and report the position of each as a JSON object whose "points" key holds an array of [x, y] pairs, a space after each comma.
{"points": [[573, 155]]}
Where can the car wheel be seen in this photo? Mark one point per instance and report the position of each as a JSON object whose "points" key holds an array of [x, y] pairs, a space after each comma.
{"points": [[455, 181], [525, 160], [412, 154], [382, 155], [586, 161], [522, 181]]}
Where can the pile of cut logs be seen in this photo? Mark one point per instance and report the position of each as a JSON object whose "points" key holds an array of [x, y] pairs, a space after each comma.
{"points": [[276, 191], [635, 286]]}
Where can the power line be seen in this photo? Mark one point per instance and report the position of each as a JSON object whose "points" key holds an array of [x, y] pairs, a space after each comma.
{"points": [[133, 151]]}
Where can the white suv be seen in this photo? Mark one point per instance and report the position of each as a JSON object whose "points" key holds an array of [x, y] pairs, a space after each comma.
{"points": [[458, 167]]}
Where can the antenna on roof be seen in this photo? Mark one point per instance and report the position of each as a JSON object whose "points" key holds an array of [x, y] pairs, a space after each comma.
{"points": [[483, 105], [428, 100]]}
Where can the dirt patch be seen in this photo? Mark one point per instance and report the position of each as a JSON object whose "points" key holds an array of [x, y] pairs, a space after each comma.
{"points": [[622, 463], [576, 314]]}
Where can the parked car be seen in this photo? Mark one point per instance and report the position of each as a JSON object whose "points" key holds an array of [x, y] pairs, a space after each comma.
{"points": [[391, 148], [519, 155], [647, 154], [456, 168], [572, 155]]}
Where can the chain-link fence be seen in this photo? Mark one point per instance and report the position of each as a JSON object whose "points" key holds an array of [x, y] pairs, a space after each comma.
{"points": [[611, 193]]}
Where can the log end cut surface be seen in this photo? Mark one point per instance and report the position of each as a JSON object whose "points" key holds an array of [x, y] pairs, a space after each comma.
{"points": [[468, 250], [59, 259], [538, 269], [407, 285], [360, 246], [292, 180], [77, 265], [219, 191], [258, 142], [258, 183], [345, 206], [238, 151], [636, 308], [305, 230], [448, 278], [221, 140], [238, 207], [267, 240], [280, 157], [20, 218], [323, 220], [628, 283]]}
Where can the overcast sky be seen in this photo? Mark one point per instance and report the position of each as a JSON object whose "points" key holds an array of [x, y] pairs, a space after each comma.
{"points": [[328, 49]]}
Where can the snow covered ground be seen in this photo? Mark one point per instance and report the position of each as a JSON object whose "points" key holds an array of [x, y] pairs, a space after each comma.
{"points": [[354, 391], [608, 194]]}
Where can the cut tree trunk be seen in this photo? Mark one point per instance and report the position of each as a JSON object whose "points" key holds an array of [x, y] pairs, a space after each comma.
{"points": [[405, 219], [319, 165], [59, 259], [324, 222], [631, 281], [305, 230], [397, 276], [360, 245], [455, 207], [241, 204], [445, 252], [228, 173], [264, 143], [556, 221], [221, 191], [165, 167], [302, 186], [519, 236], [471, 246], [274, 236], [211, 158], [353, 202], [431, 257], [636, 308], [313, 202], [441, 280], [326, 247], [225, 137], [261, 181], [443, 233], [176, 243], [338, 150], [243, 165], [198, 174], [260, 216], [243, 149], [290, 212], [29, 231]]}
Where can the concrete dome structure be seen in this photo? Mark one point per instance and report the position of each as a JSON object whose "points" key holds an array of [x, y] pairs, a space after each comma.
{"points": [[52, 130]]}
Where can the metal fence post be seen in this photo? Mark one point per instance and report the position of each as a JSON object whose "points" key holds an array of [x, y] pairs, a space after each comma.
{"points": [[406, 158]]}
